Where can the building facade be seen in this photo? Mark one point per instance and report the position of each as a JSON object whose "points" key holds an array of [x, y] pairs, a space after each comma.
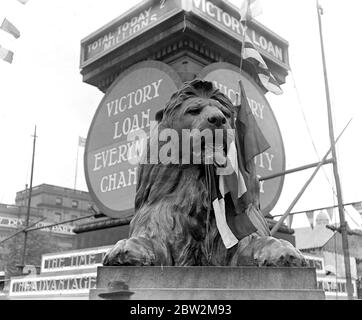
{"points": [[52, 213], [323, 250], [56, 203]]}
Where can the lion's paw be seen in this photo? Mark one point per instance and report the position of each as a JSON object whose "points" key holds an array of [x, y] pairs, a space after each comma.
{"points": [[130, 252], [269, 251]]}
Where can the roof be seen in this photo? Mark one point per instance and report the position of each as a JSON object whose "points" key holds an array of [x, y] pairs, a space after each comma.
{"points": [[53, 190], [307, 238]]}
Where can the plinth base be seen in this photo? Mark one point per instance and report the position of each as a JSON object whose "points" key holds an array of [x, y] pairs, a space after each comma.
{"points": [[212, 283]]}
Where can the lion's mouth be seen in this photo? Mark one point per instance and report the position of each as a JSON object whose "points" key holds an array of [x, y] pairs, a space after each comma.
{"points": [[213, 154], [210, 150]]}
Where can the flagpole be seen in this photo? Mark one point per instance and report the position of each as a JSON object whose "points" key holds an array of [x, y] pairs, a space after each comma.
{"points": [[243, 37], [335, 164], [244, 27], [76, 168], [29, 203], [242, 45]]}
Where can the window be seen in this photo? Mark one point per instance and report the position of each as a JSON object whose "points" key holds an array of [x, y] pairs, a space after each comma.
{"points": [[75, 203], [333, 286], [73, 217], [315, 263], [318, 265], [58, 216], [58, 201], [341, 287], [320, 285]]}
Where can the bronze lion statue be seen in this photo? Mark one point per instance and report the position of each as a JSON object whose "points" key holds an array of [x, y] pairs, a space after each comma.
{"points": [[174, 223]]}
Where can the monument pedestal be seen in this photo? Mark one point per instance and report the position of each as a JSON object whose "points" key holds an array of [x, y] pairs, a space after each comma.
{"points": [[212, 283]]}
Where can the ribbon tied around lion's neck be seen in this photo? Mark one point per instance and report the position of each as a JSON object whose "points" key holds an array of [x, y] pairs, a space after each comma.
{"points": [[218, 186]]}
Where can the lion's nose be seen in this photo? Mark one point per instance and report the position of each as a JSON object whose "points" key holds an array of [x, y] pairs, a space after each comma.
{"points": [[217, 120]]}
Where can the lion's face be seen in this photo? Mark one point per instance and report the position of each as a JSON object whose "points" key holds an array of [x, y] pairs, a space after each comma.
{"points": [[209, 124], [201, 113]]}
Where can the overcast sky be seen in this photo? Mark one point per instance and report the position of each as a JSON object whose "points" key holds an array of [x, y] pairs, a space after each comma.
{"points": [[44, 87]]}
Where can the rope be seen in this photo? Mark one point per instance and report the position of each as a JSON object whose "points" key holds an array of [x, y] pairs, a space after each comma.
{"points": [[312, 141], [209, 190], [308, 128]]}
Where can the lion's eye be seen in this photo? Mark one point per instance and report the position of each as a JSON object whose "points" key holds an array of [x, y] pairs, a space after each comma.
{"points": [[194, 112], [226, 112]]}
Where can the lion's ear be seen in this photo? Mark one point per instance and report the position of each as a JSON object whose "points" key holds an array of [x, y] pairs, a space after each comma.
{"points": [[159, 115]]}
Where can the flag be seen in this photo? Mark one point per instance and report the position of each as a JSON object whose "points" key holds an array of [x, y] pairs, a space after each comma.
{"points": [[266, 78], [10, 28], [6, 55], [250, 142], [250, 138], [239, 186], [232, 221], [250, 9], [81, 142], [310, 216], [234, 182], [218, 205], [23, 1]]}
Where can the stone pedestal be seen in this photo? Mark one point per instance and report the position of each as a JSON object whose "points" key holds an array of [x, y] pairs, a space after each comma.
{"points": [[212, 283]]}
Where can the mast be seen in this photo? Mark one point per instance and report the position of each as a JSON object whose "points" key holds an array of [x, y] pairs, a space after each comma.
{"points": [[76, 169], [343, 225], [29, 202]]}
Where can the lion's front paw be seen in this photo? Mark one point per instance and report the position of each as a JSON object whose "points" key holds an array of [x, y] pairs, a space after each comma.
{"points": [[269, 251], [130, 252]]}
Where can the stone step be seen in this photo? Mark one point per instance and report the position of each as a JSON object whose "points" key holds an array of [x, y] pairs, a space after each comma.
{"points": [[209, 277], [219, 294]]}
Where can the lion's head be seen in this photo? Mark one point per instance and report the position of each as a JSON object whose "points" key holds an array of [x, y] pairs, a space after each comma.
{"points": [[198, 104], [202, 114]]}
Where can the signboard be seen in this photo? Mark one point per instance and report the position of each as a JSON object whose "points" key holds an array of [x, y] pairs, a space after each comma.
{"points": [[226, 18], [110, 159], [61, 228], [225, 77], [74, 284], [11, 222], [335, 288], [151, 13], [136, 21], [73, 260]]}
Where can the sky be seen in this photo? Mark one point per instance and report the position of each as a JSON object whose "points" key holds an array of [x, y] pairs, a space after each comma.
{"points": [[43, 87]]}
